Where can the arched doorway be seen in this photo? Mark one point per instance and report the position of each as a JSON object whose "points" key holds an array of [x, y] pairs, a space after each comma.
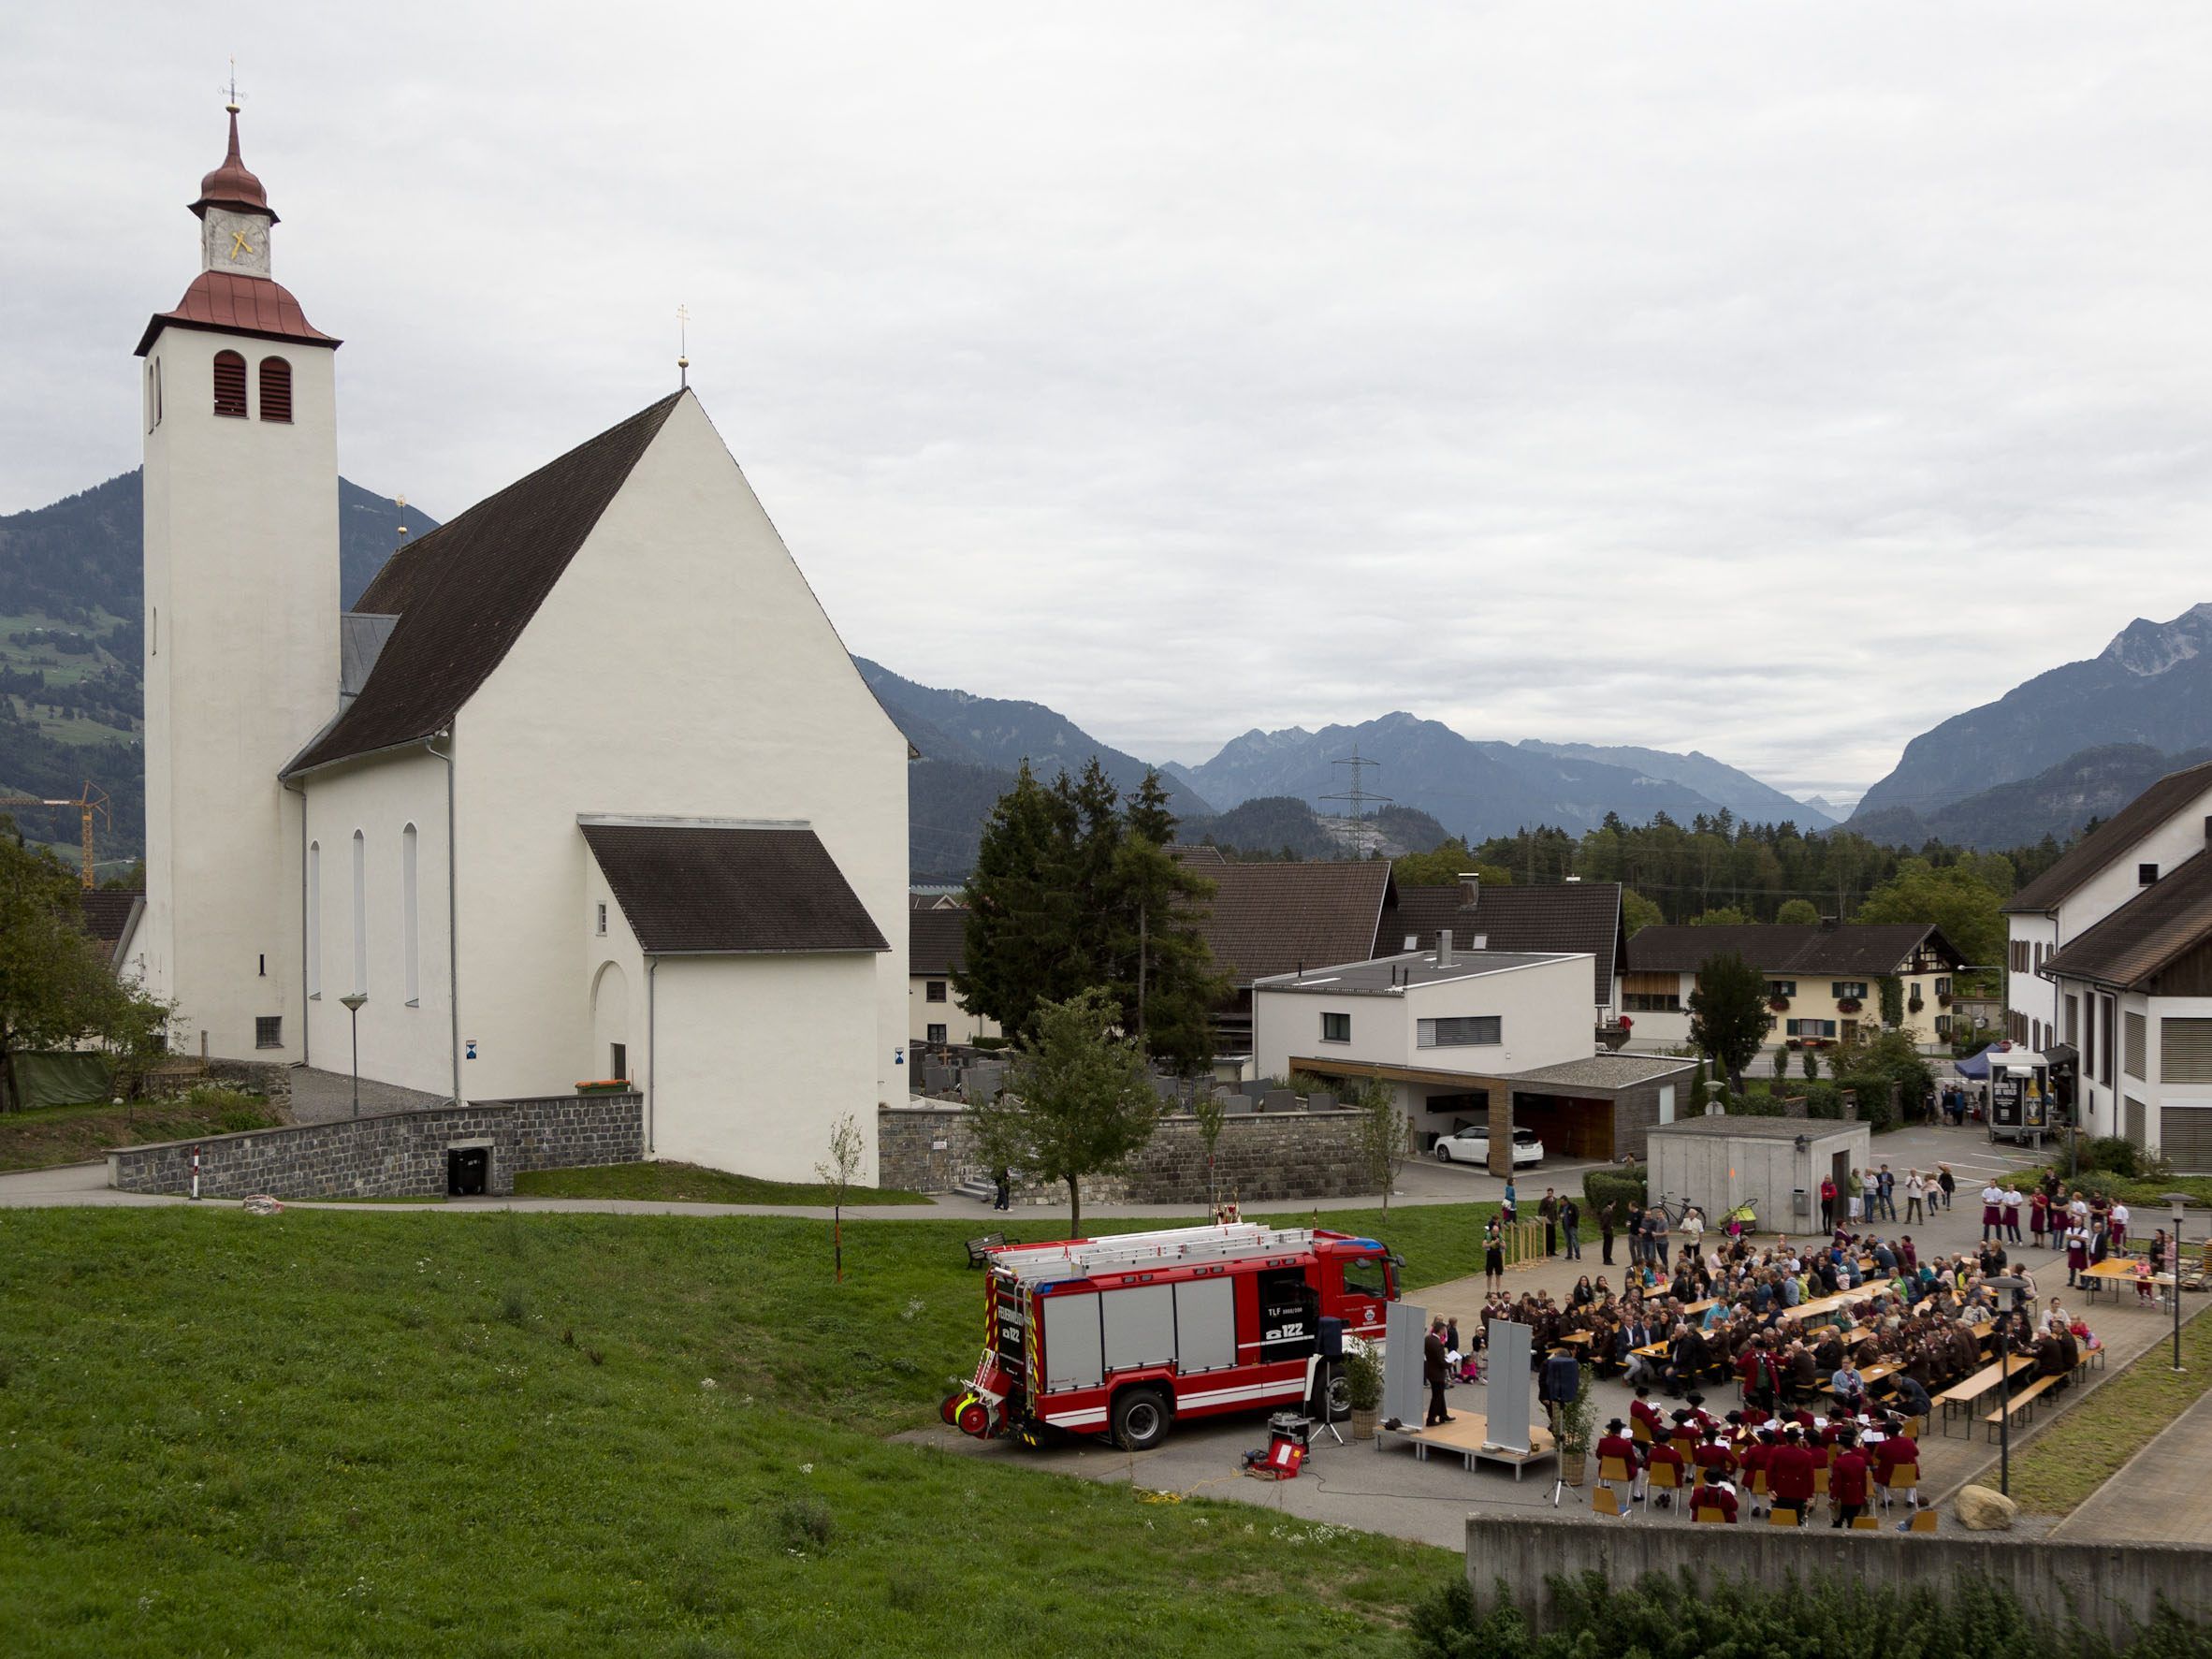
{"points": [[610, 1023]]}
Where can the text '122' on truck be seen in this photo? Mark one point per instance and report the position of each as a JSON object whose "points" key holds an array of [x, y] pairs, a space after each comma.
{"points": [[1123, 1335]]}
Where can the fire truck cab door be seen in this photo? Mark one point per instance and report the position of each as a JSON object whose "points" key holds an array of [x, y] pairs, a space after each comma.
{"points": [[1290, 1315]]}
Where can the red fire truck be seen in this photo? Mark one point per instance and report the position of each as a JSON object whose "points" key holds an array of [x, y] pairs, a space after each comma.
{"points": [[1124, 1334]]}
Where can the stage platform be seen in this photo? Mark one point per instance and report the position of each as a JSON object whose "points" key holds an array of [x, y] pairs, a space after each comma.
{"points": [[1464, 1438]]}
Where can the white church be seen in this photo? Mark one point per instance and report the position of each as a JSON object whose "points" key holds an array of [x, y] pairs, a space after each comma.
{"points": [[489, 803]]}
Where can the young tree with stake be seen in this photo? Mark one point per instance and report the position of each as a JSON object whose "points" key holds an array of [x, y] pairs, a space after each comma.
{"points": [[847, 1153]]}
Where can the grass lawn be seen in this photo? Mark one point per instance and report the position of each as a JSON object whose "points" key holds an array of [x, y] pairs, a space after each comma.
{"points": [[690, 1183], [400, 1433], [2083, 1448], [54, 1135]]}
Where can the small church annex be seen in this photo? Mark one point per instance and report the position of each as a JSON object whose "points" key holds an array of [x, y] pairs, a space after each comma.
{"points": [[586, 787]]}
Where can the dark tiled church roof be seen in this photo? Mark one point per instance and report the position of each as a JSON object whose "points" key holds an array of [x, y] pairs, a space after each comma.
{"points": [[936, 942], [729, 889], [464, 592]]}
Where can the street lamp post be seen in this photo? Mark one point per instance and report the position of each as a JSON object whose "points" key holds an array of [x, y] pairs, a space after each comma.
{"points": [[2179, 1202], [2005, 1381], [353, 1002]]}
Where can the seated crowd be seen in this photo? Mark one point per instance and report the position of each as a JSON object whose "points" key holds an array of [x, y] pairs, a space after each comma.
{"points": [[1907, 1328]]}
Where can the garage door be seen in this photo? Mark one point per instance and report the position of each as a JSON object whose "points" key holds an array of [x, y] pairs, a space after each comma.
{"points": [[2184, 1136]]}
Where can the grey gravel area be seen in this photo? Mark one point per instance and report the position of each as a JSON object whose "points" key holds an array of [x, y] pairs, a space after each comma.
{"points": [[324, 1097]]}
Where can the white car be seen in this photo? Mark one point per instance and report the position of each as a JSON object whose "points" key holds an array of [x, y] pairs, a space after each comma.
{"points": [[1472, 1146]]}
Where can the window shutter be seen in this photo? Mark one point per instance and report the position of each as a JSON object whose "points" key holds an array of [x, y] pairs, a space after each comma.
{"points": [[276, 390], [2185, 1134], [2185, 1051], [2138, 1049], [231, 385]]}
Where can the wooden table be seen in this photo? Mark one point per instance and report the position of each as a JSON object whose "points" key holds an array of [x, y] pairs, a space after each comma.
{"points": [[2115, 1274], [1969, 1394]]}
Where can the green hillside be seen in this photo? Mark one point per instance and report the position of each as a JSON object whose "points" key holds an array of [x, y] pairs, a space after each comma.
{"points": [[72, 689]]}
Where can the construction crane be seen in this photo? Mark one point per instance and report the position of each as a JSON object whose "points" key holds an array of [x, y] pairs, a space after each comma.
{"points": [[94, 799]]}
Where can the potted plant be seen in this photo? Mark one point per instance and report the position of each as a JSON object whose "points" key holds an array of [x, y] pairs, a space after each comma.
{"points": [[1778, 1004], [1363, 1388], [1848, 1005], [1943, 999], [1577, 1419], [603, 1086]]}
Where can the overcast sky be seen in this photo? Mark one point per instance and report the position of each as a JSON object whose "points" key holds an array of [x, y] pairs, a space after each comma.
{"points": [[1771, 379]]}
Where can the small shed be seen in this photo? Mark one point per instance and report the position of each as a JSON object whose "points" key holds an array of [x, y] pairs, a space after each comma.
{"points": [[1774, 1164]]}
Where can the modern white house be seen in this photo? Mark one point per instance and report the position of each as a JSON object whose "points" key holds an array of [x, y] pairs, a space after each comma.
{"points": [[1462, 1035], [2111, 969], [587, 786]]}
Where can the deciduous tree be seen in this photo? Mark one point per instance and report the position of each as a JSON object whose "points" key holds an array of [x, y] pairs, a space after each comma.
{"points": [[1079, 1105]]}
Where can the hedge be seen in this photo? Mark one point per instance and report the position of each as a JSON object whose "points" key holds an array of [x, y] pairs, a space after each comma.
{"points": [[1624, 1186]]}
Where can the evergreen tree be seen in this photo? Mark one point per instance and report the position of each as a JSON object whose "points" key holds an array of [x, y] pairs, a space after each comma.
{"points": [[1728, 1017], [1020, 907]]}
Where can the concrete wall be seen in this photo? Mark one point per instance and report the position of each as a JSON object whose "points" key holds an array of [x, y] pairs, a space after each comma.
{"points": [[1718, 1172], [757, 1057], [1262, 1159], [399, 1155], [2107, 1587], [406, 1028]]}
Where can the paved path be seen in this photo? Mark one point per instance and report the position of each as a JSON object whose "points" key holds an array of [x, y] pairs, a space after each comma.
{"points": [[2161, 1496]]}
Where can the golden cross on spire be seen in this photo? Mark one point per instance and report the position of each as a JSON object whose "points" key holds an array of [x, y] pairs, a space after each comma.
{"points": [[230, 92], [683, 346]]}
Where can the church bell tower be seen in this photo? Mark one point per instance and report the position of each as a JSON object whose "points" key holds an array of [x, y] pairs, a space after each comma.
{"points": [[241, 484]]}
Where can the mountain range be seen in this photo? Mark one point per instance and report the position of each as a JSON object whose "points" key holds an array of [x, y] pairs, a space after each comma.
{"points": [[2151, 689], [2068, 745]]}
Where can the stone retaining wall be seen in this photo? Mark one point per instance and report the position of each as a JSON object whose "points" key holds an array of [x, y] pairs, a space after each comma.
{"points": [[272, 1078], [392, 1155], [927, 1147], [2108, 1588]]}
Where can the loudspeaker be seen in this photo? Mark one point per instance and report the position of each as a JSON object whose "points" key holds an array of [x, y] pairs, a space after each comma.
{"points": [[1331, 1338]]}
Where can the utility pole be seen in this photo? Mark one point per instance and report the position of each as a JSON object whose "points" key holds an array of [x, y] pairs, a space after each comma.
{"points": [[1357, 797]]}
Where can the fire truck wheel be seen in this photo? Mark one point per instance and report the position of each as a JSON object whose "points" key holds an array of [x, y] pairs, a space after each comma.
{"points": [[948, 1407], [1141, 1419], [974, 1419], [1340, 1399]]}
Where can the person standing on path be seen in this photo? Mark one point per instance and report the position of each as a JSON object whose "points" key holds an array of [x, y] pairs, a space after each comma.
{"points": [[1656, 1235], [1494, 1255], [1885, 1189], [1570, 1224], [1548, 1207], [1854, 1192], [1992, 1211], [1947, 1183], [1605, 1230], [1511, 1206], [2077, 1254], [1916, 1198], [1828, 1203], [2012, 1200]]}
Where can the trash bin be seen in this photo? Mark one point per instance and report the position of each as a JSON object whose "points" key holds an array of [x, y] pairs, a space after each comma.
{"points": [[1800, 1205]]}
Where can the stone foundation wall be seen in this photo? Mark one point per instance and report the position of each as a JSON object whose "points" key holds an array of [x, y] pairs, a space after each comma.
{"points": [[927, 1147], [272, 1078], [394, 1154]]}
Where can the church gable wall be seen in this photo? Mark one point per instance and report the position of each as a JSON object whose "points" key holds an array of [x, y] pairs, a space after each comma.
{"points": [[679, 666]]}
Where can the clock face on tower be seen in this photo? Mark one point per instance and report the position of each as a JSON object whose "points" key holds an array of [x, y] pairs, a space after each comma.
{"points": [[236, 241]]}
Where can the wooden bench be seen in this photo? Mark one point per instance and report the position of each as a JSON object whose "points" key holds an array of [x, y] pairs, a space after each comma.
{"points": [[1967, 1394], [979, 1250], [2027, 1396]]}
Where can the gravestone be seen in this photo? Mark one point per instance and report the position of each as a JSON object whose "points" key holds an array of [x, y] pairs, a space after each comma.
{"points": [[1320, 1100], [1278, 1101], [1237, 1105]]}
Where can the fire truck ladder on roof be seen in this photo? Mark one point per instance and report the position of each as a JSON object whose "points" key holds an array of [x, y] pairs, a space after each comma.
{"points": [[1132, 1251]]}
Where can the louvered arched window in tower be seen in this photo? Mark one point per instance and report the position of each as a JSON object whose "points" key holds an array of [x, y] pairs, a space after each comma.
{"points": [[231, 385], [276, 390]]}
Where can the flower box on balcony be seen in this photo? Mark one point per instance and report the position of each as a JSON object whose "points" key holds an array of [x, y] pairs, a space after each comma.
{"points": [[1777, 1005], [604, 1085], [1848, 1005]]}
